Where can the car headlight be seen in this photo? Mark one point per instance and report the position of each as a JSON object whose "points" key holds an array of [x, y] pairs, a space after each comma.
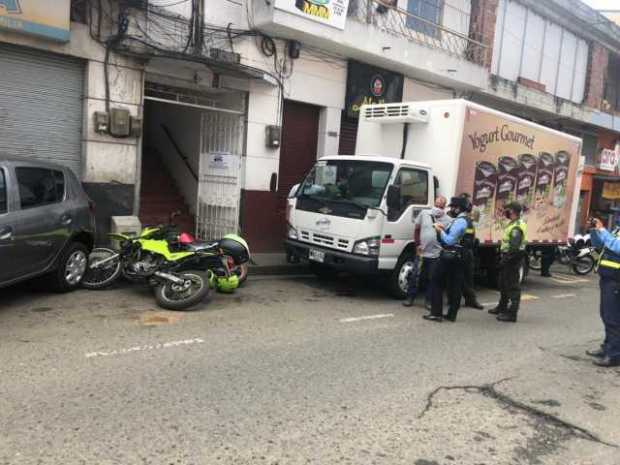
{"points": [[369, 247], [292, 232]]}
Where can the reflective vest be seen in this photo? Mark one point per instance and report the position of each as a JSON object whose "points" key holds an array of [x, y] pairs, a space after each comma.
{"points": [[505, 247], [609, 259], [469, 238]]}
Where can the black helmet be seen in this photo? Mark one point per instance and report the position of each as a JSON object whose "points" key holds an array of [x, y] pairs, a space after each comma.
{"points": [[514, 206], [460, 202]]}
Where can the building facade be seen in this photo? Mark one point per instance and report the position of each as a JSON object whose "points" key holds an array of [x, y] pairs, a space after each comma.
{"points": [[216, 109]]}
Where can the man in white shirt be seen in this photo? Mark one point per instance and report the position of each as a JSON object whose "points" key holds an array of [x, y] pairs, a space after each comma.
{"points": [[429, 247]]}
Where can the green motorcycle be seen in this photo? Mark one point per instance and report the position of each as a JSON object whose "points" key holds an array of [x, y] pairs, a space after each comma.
{"points": [[180, 269]]}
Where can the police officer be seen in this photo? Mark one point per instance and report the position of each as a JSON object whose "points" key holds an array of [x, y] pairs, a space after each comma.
{"points": [[449, 272], [514, 242], [609, 272], [469, 244]]}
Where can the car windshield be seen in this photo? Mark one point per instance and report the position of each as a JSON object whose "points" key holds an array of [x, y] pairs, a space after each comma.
{"points": [[357, 182]]}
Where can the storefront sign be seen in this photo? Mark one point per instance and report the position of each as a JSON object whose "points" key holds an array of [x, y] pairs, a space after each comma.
{"points": [[611, 190], [330, 12], [367, 85], [37, 17], [608, 160]]}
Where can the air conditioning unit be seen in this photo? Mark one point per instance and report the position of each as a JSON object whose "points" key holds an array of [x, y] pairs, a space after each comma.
{"points": [[395, 113]]}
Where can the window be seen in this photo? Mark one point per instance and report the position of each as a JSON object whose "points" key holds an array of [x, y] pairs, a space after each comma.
{"points": [[3, 195], [430, 10], [612, 84], [39, 186], [413, 186]]}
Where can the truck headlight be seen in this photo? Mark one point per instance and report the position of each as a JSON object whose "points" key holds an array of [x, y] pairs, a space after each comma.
{"points": [[369, 247], [292, 232]]}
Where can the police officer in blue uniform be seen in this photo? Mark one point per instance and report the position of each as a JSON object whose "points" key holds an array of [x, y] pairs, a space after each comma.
{"points": [[450, 271], [608, 355]]}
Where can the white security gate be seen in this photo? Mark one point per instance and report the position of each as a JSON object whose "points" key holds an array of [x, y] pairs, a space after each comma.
{"points": [[219, 187]]}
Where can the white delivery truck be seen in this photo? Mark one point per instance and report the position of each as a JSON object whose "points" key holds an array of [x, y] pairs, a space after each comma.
{"points": [[355, 213]]}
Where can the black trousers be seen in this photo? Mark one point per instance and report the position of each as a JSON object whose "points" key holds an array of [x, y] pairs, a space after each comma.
{"points": [[510, 285], [468, 278], [610, 311], [448, 276], [425, 282], [546, 260]]}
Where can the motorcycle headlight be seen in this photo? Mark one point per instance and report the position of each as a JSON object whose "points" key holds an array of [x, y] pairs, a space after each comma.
{"points": [[369, 247], [292, 232]]}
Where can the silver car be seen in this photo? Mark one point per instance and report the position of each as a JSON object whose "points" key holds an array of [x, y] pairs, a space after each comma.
{"points": [[47, 224]]}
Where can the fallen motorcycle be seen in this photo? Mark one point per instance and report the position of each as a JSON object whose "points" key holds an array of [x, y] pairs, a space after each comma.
{"points": [[181, 271]]}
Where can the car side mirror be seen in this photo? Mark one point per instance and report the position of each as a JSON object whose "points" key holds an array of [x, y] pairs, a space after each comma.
{"points": [[393, 197]]}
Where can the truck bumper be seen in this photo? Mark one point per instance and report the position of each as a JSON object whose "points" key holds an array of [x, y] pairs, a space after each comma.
{"points": [[337, 260]]}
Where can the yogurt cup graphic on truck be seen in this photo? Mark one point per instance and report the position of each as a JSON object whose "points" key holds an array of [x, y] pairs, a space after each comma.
{"points": [[485, 181], [560, 177], [507, 177], [544, 180], [526, 180]]}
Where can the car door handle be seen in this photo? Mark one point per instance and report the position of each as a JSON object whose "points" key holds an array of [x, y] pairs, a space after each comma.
{"points": [[65, 220], [6, 234]]}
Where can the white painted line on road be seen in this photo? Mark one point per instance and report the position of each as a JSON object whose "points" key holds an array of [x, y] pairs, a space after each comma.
{"points": [[164, 345], [367, 317], [563, 296], [487, 304]]}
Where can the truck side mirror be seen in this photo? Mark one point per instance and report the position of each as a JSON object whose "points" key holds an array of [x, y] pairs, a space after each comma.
{"points": [[393, 197], [293, 191]]}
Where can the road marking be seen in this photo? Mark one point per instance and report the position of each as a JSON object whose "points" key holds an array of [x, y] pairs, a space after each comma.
{"points": [[568, 279], [367, 317], [487, 304], [164, 345], [528, 297], [563, 296]]}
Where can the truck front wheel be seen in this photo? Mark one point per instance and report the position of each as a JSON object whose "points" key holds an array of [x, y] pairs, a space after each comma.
{"points": [[399, 279]]}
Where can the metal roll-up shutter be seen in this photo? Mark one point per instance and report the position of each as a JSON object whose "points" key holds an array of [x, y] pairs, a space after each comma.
{"points": [[348, 135], [41, 106]]}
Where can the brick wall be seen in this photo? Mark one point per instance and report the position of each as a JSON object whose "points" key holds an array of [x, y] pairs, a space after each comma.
{"points": [[482, 26], [597, 72]]}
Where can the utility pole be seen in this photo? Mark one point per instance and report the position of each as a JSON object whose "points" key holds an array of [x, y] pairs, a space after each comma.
{"points": [[199, 21]]}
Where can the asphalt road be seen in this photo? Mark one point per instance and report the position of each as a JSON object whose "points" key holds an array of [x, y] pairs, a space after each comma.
{"points": [[299, 371]]}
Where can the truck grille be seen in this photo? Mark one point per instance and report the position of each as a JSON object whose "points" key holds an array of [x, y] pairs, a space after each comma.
{"points": [[325, 240]]}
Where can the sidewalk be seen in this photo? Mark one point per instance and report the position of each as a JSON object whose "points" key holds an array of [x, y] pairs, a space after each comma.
{"points": [[275, 264]]}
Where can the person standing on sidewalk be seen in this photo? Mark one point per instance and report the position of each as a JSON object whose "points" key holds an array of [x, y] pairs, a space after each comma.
{"points": [[512, 250], [469, 244], [449, 273], [609, 275], [428, 250]]}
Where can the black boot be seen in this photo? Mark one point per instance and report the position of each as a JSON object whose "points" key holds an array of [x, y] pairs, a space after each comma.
{"points": [[501, 306], [510, 315]]}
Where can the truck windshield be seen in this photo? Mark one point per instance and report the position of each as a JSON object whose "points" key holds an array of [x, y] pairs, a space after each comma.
{"points": [[359, 183]]}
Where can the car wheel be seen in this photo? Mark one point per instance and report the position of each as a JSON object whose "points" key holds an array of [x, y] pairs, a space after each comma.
{"points": [[71, 268]]}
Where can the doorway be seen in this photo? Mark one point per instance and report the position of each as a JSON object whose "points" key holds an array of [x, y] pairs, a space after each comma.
{"points": [[265, 212]]}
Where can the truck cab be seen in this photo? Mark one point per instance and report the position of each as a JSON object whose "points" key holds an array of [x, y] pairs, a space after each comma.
{"points": [[356, 213]]}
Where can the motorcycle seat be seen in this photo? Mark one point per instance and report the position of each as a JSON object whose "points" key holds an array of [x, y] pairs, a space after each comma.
{"points": [[198, 246]]}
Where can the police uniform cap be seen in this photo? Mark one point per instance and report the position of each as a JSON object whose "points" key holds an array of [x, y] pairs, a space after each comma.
{"points": [[460, 202], [515, 207]]}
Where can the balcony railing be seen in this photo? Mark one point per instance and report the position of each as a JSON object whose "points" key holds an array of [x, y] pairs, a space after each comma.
{"points": [[384, 15]]}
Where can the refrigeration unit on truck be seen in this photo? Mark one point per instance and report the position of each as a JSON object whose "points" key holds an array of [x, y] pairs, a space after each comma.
{"points": [[355, 213]]}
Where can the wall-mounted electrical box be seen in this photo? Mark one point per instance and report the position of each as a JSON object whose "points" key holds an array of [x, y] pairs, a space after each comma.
{"points": [[119, 122], [135, 125], [102, 122], [274, 135]]}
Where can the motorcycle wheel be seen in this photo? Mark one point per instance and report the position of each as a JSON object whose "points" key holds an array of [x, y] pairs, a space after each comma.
{"points": [[104, 276], [173, 296], [583, 265], [535, 261]]}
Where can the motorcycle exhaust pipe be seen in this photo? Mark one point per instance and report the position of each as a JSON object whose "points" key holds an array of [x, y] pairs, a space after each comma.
{"points": [[169, 277]]}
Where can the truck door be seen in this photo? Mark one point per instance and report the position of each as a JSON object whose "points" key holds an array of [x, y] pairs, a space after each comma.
{"points": [[414, 185]]}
